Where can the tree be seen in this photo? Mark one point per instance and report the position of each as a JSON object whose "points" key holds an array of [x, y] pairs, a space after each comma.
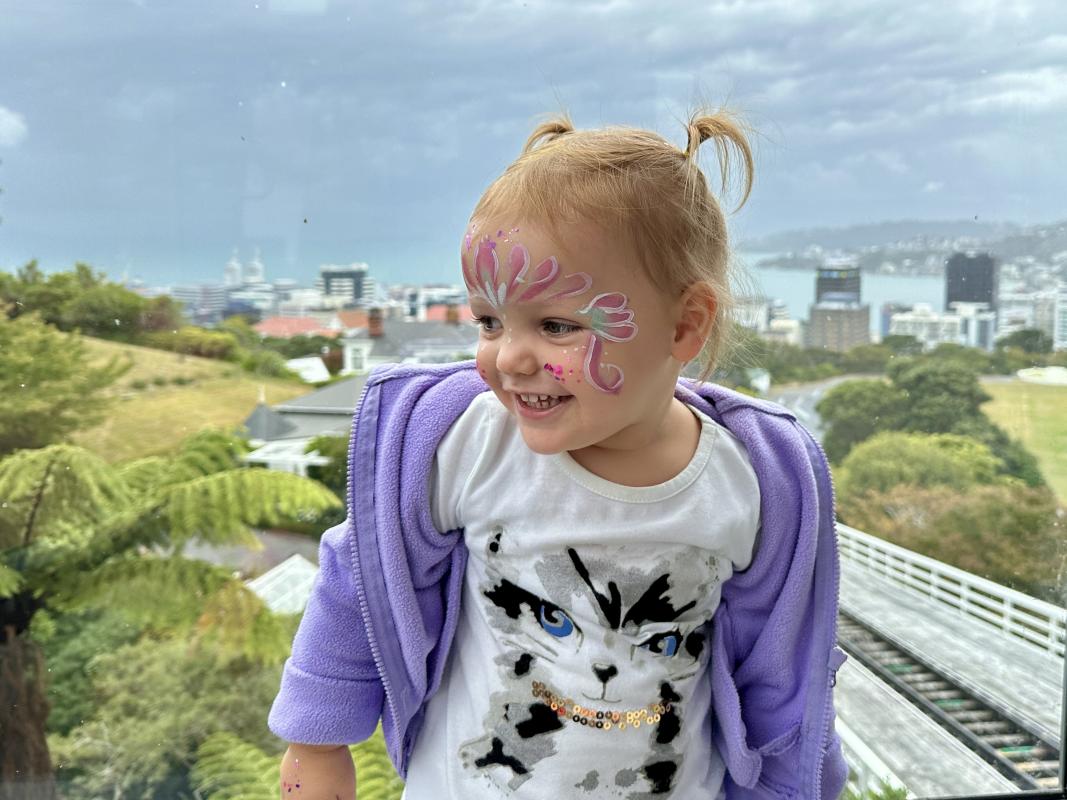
{"points": [[903, 344], [77, 533], [33, 291], [1008, 533], [109, 311], [869, 358], [1015, 460], [335, 474], [156, 701], [939, 393], [162, 313], [893, 458], [1029, 340], [855, 410], [49, 385]]}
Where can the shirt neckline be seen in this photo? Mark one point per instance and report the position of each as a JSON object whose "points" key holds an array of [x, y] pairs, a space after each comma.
{"points": [[646, 494]]}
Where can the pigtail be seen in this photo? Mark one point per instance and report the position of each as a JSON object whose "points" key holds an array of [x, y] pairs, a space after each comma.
{"points": [[548, 131], [731, 140]]}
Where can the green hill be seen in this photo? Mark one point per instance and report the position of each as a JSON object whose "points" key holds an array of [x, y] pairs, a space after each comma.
{"points": [[1036, 414], [167, 396]]}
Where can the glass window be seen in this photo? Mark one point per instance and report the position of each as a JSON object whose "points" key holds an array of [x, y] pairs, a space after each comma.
{"points": [[216, 219]]}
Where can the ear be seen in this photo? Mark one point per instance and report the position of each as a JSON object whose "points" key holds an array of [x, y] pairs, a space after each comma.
{"points": [[696, 315]]}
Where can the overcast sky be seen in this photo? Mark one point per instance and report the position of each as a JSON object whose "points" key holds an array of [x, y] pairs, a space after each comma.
{"points": [[155, 137]]}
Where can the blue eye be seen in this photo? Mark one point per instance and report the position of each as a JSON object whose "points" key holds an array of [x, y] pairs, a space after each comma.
{"points": [[663, 644], [555, 621]]}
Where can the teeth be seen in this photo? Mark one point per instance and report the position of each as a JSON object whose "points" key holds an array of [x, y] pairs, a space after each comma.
{"points": [[540, 400]]}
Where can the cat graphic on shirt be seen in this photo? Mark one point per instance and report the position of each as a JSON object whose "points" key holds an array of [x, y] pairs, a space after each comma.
{"points": [[582, 630]]}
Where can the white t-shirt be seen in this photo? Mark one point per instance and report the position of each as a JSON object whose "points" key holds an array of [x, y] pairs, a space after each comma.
{"points": [[579, 663]]}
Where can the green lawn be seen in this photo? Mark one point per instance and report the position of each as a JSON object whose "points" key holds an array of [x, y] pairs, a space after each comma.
{"points": [[1037, 415], [153, 419]]}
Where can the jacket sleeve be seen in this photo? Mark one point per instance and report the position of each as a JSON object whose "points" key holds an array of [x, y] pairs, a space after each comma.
{"points": [[330, 691], [773, 654]]}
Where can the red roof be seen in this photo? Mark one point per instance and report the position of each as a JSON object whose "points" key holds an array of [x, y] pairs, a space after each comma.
{"points": [[438, 313], [288, 327], [352, 318]]}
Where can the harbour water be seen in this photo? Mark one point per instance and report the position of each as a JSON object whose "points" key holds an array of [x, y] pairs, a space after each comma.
{"points": [[796, 288]]}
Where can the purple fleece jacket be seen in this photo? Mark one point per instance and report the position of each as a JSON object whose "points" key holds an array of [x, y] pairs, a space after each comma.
{"points": [[378, 626]]}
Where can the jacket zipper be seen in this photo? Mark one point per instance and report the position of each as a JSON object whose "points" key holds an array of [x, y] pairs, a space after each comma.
{"points": [[830, 678], [364, 606]]}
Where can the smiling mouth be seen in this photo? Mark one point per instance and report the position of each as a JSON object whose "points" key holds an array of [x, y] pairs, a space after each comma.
{"points": [[541, 402]]}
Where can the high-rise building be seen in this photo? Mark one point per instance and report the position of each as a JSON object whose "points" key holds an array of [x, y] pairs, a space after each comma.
{"points": [[838, 320], [1059, 319], [839, 326], [971, 278], [349, 281], [837, 282]]}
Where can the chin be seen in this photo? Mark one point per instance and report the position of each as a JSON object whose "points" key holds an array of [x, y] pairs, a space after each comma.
{"points": [[542, 445]]}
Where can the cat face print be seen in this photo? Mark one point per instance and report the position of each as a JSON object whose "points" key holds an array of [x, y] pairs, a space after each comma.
{"points": [[598, 649]]}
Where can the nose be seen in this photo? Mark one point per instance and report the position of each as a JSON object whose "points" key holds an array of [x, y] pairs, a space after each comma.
{"points": [[605, 672], [515, 355]]}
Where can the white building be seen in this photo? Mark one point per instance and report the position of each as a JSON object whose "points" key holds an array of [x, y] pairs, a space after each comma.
{"points": [[232, 272], [753, 313], [1018, 311], [1059, 321], [968, 324]]}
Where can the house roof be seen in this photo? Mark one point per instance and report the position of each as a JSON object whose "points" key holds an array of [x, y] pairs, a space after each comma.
{"points": [[265, 423], [438, 312], [288, 327], [340, 397], [352, 318], [404, 338], [286, 588]]}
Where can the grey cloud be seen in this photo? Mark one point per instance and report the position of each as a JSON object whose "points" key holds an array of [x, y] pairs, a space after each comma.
{"points": [[171, 118]]}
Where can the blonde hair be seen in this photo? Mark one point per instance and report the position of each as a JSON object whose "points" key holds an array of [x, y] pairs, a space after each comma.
{"points": [[636, 183]]}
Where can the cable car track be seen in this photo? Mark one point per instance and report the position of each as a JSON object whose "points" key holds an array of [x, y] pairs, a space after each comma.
{"points": [[1012, 745]]}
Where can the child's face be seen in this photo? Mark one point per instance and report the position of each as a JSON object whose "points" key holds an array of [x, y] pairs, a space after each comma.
{"points": [[576, 321]]}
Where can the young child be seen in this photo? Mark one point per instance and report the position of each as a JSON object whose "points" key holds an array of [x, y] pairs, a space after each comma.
{"points": [[593, 580]]}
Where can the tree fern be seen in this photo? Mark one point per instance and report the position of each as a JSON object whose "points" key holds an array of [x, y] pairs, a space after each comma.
{"points": [[57, 484], [376, 778], [235, 621], [228, 768], [163, 593], [219, 508], [10, 580], [145, 474]]}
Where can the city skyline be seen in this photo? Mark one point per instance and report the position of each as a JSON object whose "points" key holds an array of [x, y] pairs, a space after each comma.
{"points": [[153, 139]]}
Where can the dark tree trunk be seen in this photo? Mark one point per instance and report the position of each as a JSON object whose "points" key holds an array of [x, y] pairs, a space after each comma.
{"points": [[25, 766]]}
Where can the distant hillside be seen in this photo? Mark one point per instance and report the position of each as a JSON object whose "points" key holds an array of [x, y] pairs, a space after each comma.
{"points": [[167, 396], [856, 237]]}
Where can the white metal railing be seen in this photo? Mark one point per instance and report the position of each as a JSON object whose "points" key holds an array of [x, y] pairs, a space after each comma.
{"points": [[1041, 624]]}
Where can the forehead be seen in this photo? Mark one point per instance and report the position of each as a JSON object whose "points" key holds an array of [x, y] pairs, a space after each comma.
{"points": [[498, 249]]}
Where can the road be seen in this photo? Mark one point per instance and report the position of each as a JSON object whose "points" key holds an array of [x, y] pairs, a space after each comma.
{"points": [[801, 399]]}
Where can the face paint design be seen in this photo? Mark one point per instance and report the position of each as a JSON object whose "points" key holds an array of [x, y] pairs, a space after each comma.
{"points": [[545, 282], [556, 371], [609, 318], [609, 314]]}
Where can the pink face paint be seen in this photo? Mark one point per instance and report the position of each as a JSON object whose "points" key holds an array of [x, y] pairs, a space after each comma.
{"points": [[609, 318], [555, 371], [545, 282]]}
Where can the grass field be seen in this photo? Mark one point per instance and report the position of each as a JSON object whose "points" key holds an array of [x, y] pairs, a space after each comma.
{"points": [[1037, 415], [150, 414]]}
